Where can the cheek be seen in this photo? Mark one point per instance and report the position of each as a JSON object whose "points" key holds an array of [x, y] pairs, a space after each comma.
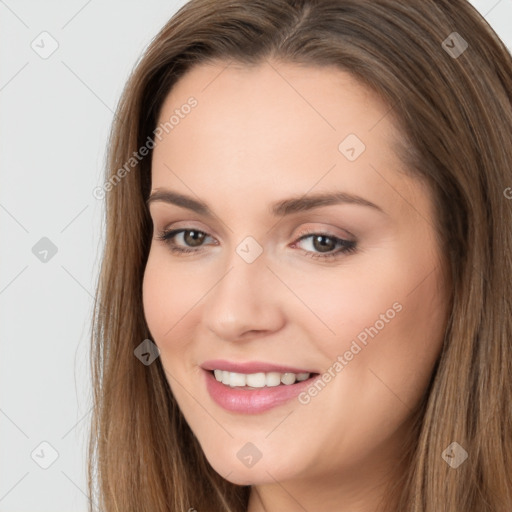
{"points": [[381, 358], [387, 322], [167, 294], [388, 332], [154, 298]]}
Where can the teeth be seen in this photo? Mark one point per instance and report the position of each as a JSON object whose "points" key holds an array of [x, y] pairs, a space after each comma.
{"points": [[258, 380]]}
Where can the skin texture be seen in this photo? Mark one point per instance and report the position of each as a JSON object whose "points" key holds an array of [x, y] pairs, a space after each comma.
{"points": [[259, 135]]}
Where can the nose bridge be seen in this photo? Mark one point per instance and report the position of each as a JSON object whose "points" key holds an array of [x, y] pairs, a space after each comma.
{"points": [[246, 268], [242, 287], [244, 299]]}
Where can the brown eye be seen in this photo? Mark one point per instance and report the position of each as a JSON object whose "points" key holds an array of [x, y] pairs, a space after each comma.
{"points": [[323, 243], [195, 240], [183, 240]]}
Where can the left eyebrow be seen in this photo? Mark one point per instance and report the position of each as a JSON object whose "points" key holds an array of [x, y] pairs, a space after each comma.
{"points": [[304, 203], [278, 209]]}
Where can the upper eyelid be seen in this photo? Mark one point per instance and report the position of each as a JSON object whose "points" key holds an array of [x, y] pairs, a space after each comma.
{"points": [[300, 236], [189, 225], [312, 211], [166, 226]]}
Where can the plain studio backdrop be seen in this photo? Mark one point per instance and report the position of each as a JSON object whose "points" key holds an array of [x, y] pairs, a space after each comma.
{"points": [[63, 67]]}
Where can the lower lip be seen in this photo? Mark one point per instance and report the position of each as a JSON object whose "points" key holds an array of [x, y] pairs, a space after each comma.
{"points": [[248, 401]]}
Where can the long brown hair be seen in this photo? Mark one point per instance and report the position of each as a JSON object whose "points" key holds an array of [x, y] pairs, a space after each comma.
{"points": [[453, 103]]}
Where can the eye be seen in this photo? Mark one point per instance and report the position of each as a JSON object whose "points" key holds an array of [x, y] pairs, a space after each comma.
{"points": [[322, 245], [195, 240], [325, 244]]}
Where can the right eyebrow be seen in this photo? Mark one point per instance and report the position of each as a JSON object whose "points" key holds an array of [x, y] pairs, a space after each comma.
{"points": [[170, 197]]}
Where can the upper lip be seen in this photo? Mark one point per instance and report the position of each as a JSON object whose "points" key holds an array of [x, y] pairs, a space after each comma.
{"points": [[250, 367]]}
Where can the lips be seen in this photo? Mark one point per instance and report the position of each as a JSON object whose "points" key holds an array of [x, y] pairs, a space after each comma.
{"points": [[252, 400], [252, 367]]}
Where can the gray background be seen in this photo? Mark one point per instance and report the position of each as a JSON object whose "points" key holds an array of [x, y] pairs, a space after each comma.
{"points": [[56, 114]]}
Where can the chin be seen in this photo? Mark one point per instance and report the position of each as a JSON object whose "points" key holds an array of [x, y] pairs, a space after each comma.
{"points": [[260, 473]]}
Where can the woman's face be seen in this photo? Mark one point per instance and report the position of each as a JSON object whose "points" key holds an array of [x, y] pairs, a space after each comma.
{"points": [[351, 289]]}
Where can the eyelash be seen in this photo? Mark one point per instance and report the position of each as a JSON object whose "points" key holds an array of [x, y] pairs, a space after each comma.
{"points": [[347, 246]]}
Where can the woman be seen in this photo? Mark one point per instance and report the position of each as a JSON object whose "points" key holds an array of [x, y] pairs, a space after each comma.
{"points": [[304, 300]]}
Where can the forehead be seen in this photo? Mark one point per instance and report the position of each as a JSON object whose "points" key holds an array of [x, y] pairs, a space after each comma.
{"points": [[325, 99], [277, 126]]}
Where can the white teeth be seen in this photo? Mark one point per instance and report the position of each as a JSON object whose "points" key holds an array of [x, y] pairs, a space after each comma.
{"points": [[288, 378], [254, 380], [236, 379], [258, 380], [271, 379]]}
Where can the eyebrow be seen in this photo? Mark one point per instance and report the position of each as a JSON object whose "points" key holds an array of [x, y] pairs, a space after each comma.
{"points": [[278, 209]]}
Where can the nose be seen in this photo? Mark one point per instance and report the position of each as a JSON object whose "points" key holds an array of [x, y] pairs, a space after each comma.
{"points": [[246, 301]]}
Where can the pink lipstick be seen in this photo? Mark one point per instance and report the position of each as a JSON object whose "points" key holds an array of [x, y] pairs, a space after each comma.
{"points": [[250, 400]]}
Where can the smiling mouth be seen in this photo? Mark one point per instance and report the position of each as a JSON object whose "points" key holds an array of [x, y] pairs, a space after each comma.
{"points": [[260, 380]]}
